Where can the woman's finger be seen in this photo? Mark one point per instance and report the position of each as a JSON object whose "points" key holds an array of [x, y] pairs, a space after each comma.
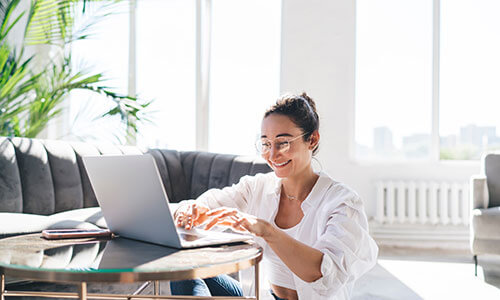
{"points": [[219, 211], [237, 226], [225, 223], [215, 212], [228, 214], [218, 221], [245, 224], [193, 218], [202, 209], [211, 224], [181, 219], [194, 211]]}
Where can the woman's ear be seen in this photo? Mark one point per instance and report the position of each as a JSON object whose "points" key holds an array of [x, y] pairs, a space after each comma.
{"points": [[314, 140]]}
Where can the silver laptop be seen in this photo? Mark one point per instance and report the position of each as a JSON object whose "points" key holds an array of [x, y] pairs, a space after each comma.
{"points": [[135, 205]]}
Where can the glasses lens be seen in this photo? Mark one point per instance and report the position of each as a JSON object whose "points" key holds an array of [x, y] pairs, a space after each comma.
{"points": [[263, 146], [282, 144]]}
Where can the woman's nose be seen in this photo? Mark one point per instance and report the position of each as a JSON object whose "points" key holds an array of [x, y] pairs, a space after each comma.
{"points": [[273, 153]]}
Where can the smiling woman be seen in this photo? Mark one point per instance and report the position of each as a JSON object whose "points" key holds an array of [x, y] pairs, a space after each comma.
{"points": [[313, 229]]}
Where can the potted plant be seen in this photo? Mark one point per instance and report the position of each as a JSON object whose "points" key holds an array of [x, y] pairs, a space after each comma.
{"points": [[29, 99]]}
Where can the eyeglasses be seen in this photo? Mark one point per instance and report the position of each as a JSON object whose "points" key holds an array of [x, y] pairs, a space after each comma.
{"points": [[281, 143]]}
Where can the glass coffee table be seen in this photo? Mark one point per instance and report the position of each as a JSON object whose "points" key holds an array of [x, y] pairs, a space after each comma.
{"points": [[117, 260]]}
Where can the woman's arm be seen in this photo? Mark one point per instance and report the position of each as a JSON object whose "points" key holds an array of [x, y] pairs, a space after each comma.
{"points": [[302, 260]]}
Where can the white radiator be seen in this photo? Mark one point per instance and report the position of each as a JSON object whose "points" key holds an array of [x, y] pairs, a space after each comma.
{"points": [[413, 202]]}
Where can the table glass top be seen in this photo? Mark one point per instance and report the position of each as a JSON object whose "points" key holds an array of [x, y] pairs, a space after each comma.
{"points": [[32, 252]]}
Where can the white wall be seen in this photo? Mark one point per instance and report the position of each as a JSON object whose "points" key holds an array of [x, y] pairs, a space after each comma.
{"points": [[318, 56]]}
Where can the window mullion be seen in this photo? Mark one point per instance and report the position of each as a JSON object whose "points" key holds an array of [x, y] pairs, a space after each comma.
{"points": [[435, 80], [132, 70], [203, 40]]}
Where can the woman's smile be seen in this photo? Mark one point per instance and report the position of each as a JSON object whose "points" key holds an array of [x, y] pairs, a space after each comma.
{"points": [[280, 165]]}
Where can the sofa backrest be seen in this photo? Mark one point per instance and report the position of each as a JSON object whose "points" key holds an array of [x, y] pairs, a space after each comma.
{"points": [[491, 164], [204, 170], [47, 176], [186, 175]]}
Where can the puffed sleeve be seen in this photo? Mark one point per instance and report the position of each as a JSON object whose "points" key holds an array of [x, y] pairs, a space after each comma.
{"points": [[235, 196], [349, 251]]}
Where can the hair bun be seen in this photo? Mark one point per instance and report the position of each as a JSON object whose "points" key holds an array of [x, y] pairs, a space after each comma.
{"points": [[310, 102]]}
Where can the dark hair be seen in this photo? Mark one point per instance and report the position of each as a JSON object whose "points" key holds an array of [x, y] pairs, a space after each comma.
{"points": [[301, 109]]}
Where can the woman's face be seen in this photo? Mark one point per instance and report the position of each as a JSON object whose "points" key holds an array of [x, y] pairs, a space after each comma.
{"points": [[298, 156]]}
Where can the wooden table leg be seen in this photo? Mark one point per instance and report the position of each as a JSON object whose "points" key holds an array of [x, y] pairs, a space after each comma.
{"points": [[82, 291], [156, 285], [2, 287], [257, 283]]}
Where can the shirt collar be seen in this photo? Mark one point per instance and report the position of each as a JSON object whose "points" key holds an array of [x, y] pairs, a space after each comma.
{"points": [[317, 192]]}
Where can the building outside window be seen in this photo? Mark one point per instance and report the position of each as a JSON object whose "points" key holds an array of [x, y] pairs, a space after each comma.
{"points": [[426, 81]]}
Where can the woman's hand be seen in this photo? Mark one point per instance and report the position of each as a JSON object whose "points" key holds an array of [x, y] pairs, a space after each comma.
{"points": [[191, 215], [239, 221]]}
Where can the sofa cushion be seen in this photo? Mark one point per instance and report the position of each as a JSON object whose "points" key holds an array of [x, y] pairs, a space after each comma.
{"points": [[178, 180], [483, 246], [11, 199], [20, 223], [241, 166], [36, 178], [65, 175], [205, 172], [492, 170], [92, 215], [485, 223], [164, 172], [83, 149]]}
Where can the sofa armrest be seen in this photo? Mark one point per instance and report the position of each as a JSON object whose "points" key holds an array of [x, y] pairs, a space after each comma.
{"points": [[478, 192]]}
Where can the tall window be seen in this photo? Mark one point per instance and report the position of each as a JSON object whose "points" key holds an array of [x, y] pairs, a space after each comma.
{"points": [[109, 33], [243, 78], [470, 78], [244, 71], [165, 53], [419, 98], [393, 79]]}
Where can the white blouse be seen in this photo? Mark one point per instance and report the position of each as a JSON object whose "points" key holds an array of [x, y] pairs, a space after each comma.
{"points": [[334, 222]]}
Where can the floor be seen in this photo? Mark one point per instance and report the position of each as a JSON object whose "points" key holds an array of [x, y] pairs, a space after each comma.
{"points": [[426, 274]]}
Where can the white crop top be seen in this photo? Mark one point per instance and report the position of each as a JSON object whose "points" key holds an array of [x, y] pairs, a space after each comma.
{"points": [[279, 274]]}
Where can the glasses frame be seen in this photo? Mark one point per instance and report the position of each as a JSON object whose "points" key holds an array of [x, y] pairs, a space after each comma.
{"points": [[273, 144]]}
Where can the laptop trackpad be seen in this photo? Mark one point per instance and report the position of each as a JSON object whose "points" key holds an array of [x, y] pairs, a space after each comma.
{"points": [[189, 237]]}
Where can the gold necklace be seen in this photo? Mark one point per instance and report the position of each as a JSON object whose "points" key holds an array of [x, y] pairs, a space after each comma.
{"points": [[288, 196]]}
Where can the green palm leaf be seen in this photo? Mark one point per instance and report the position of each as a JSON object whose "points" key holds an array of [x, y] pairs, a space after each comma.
{"points": [[53, 21], [28, 101]]}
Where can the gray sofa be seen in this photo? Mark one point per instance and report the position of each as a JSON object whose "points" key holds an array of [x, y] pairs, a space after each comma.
{"points": [[43, 184]]}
